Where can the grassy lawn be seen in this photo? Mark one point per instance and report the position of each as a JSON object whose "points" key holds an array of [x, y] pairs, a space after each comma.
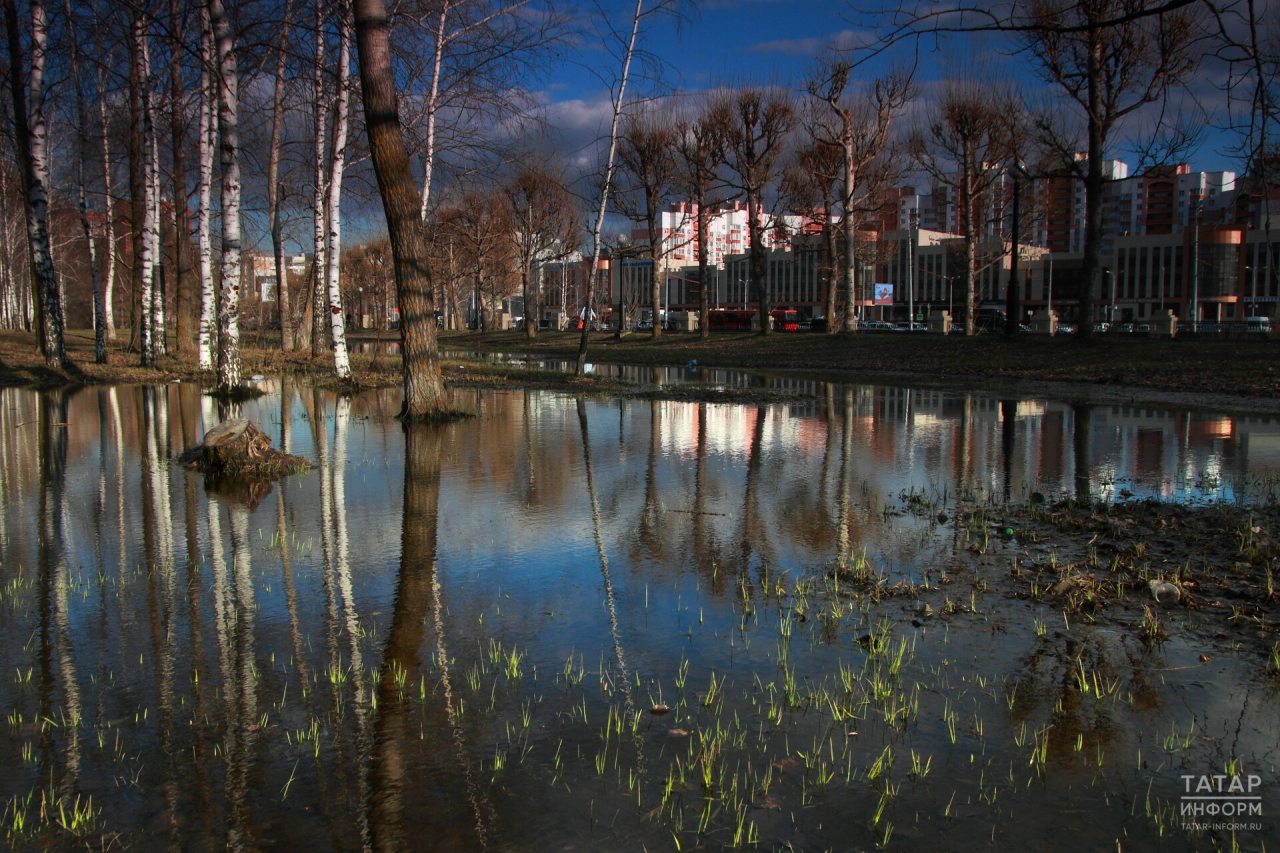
{"points": [[1246, 367]]}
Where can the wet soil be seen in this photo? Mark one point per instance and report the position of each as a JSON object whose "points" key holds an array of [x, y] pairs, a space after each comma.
{"points": [[1148, 569]]}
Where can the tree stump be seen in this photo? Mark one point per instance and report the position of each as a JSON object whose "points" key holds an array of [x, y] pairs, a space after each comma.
{"points": [[237, 448]]}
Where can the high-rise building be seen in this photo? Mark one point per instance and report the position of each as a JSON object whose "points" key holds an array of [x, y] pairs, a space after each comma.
{"points": [[727, 232]]}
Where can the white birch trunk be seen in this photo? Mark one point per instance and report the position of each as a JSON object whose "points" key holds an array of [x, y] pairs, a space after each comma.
{"points": [[341, 364], [598, 226], [204, 209], [433, 102], [109, 228], [229, 143], [319, 298], [146, 256], [99, 333], [51, 325], [152, 229]]}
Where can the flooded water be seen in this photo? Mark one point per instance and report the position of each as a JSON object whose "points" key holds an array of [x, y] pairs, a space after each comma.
{"points": [[456, 638]]}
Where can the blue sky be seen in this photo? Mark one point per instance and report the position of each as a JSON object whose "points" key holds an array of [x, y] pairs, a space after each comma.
{"points": [[731, 41]]}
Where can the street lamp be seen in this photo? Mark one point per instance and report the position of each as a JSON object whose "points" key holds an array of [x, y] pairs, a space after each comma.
{"points": [[1195, 270], [912, 225], [1111, 285]]}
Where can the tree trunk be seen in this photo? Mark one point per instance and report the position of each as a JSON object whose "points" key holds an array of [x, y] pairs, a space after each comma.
{"points": [[186, 313], [319, 296], [341, 364], [1091, 268], [204, 210], [229, 143], [424, 395], [433, 103], [832, 252], [157, 308], [31, 131], [656, 254], [140, 187], [850, 266], [970, 249], [109, 226], [759, 264], [283, 302], [99, 333], [704, 270], [598, 226]]}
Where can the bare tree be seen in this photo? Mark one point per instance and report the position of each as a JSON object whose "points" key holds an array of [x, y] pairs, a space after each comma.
{"points": [[82, 203], [606, 186], [760, 123], [811, 186], [648, 163], [142, 168], [423, 386], [700, 146], [186, 299], [229, 146], [275, 221], [333, 215], [320, 115], [108, 205], [31, 140], [1110, 63], [963, 146], [208, 333], [544, 223], [477, 53], [857, 121]]}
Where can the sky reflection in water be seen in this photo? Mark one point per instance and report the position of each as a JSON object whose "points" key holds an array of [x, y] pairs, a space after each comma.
{"points": [[263, 670]]}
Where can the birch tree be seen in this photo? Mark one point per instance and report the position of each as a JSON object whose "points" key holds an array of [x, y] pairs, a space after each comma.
{"points": [[156, 308], [31, 140], [229, 145], [597, 228], [333, 251], [141, 167], [208, 330], [82, 203], [108, 199], [320, 114]]}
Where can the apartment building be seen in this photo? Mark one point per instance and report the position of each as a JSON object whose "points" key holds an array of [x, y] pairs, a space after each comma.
{"points": [[727, 232]]}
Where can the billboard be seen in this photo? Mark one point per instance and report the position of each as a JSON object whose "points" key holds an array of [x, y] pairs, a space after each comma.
{"points": [[884, 294]]}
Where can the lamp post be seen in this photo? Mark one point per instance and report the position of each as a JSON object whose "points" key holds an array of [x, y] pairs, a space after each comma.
{"points": [[1253, 290], [911, 279], [1195, 271], [1049, 301], [1111, 285], [1011, 291]]}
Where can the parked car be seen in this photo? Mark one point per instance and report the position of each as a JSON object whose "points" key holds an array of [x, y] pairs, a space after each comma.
{"points": [[909, 327], [1066, 329], [818, 324], [875, 326], [804, 326]]}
